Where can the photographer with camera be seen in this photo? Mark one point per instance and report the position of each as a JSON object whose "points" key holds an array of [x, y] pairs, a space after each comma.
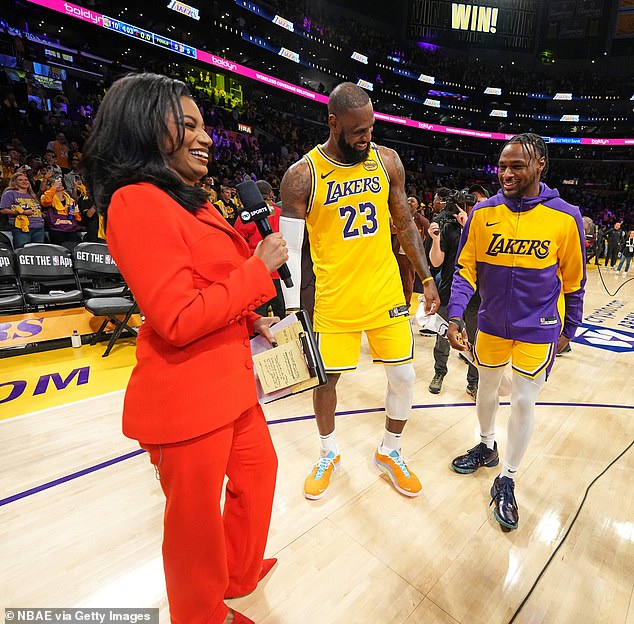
{"points": [[444, 232]]}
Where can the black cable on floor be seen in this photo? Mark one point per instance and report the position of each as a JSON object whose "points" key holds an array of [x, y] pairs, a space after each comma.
{"points": [[627, 281], [563, 539]]}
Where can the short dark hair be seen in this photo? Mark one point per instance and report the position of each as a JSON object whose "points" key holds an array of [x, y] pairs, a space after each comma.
{"points": [[264, 187], [130, 139], [345, 96], [532, 145], [443, 192]]}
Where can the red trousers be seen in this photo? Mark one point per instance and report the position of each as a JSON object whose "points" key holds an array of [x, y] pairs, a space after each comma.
{"points": [[209, 553]]}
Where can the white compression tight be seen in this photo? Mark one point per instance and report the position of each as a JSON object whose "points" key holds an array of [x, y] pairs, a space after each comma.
{"points": [[522, 419], [400, 390]]}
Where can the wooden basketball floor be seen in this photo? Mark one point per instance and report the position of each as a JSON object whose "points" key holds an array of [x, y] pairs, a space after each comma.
{"points": [[81, 510]]}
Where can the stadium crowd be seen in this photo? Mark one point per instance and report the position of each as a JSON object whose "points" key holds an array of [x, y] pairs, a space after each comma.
{"points": [[46, 146]]}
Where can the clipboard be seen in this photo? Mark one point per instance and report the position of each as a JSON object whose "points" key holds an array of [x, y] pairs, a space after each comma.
{"points": [[294, 366]]}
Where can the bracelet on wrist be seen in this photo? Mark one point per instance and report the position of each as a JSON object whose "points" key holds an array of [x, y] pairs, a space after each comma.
{"points": [[427, 279], [456, 320]]}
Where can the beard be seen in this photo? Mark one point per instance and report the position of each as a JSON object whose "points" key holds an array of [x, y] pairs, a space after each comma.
{"points": [[351, 156]]}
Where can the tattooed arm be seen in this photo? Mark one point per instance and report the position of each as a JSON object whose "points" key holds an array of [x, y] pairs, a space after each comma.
{"points": [[408, 235]]}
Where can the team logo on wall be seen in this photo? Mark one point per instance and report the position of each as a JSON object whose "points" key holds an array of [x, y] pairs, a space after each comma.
{"points": [[370, 165]]}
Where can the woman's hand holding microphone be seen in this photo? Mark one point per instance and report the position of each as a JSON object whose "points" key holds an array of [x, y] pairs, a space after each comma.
{"points": [[272, 251]]}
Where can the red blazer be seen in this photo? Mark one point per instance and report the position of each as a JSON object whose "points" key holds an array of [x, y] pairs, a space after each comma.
{"points": [[196, 284]]}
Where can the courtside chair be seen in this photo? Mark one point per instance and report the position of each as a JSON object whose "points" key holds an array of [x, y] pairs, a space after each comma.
{"points": [[111, 308], [47, 276], [5, 241], [98, 274], [11, 294]]}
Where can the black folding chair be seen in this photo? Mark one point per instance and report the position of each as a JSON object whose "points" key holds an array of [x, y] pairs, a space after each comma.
{"points": [[47, 276], [97, 272], [112, 308], [11, 294], [5, 241]]}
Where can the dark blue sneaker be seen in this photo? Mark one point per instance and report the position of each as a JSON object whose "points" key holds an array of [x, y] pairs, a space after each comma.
{"points": [[503, 497], [480, 455]]}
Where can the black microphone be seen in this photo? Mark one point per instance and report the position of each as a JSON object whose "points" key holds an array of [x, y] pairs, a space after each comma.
{"points": [[256, 211]]}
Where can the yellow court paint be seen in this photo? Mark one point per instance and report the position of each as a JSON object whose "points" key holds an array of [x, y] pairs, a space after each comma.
{"points": [[29, 383], [23, 329]]}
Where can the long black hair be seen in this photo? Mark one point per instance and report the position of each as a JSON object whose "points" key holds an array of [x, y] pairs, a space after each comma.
{"points": [[130, 140], [531, 142]]}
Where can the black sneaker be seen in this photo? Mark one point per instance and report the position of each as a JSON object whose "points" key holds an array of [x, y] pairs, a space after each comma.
{"points": [[480, 455], [472, 390], [436, 383], [505, 506]]}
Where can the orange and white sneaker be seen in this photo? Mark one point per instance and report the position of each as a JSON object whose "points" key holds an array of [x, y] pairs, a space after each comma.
{"points": [[318, 481], [402, 478]]}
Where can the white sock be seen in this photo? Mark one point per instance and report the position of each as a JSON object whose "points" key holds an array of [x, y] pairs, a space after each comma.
{"points": [[508, 471], [391, 442], [488, 439], [329, 443]]}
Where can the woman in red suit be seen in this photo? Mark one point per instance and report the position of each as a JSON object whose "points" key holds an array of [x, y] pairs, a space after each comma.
{"points": [[191, 400]]}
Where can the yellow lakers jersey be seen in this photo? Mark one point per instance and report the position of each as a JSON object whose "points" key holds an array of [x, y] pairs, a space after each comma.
{"points": [[358, 285]]}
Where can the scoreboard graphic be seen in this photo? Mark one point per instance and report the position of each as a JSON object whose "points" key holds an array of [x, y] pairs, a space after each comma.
{"points": [[497, 24]]}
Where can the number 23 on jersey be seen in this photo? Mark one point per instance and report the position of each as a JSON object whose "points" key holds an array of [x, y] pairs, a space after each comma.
{"points": [[349, 214]]}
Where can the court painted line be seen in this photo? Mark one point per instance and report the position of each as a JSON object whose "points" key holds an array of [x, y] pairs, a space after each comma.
{"points": [[437, 405], [116, 460], [70, 477]]}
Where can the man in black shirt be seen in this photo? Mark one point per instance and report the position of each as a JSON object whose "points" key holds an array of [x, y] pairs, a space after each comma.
{"points": [[445, 232], [614, 237]]}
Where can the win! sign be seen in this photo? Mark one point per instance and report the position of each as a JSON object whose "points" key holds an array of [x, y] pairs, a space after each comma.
{"points": [[474, 18]]}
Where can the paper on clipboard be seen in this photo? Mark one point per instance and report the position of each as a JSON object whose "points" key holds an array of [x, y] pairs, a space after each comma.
{"points": [[281, 367], [285, 363]]}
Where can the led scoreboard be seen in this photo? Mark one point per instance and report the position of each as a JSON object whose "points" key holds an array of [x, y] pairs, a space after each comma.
{"points": [[495, 24], [149, 37]]}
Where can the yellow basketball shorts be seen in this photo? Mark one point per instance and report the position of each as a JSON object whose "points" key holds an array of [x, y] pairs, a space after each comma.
{"points": [[528, 359], [391, 344]]}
